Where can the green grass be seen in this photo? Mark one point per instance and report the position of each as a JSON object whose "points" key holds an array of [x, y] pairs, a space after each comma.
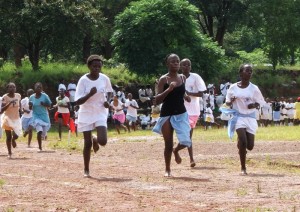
{"points": [[200, 135]]}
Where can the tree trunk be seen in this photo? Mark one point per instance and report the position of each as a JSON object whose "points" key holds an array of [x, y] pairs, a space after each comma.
{"points": [[293, 61], [3, 53], [107, 50], [19, 53], [34, 55], [86, 47]]}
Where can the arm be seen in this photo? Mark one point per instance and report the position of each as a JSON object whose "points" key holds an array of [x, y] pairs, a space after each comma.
{"points": [[83, 99], [159, 98]]}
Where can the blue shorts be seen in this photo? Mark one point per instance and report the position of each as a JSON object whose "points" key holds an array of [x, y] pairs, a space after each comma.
{"points": [[181, 125], [131, 118]]}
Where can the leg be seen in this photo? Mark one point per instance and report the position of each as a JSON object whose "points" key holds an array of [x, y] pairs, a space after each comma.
{"points": [[39, 138], [60, 120], [14, 138], [101, 135], [167, 131], [87, 136], [29, 137], [242, 144], [190, 150], [8, 141], [250, 141]]}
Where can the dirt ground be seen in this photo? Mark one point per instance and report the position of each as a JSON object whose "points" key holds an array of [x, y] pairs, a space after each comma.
{"points": [[128, 176]]}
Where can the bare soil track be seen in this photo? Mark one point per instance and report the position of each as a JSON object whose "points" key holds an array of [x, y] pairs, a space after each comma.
{"points": [[128, 176]]}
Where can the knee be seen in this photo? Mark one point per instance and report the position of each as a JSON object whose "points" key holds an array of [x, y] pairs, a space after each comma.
{"points": [[102, 141], [250, 147]]}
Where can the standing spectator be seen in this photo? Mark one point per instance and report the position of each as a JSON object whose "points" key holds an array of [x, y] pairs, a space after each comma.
{"points": [[194, 86], [266, 113], [121, 95], [11, 121], [290, 111], [62, 116], [149, 91], [155, 111], [91, 92], [39, 103], [244, 97], [72, 90], [143, 96], [297, 112], [27, 117], [131, 116], [209, 117], [173, 115], [276, 106]]}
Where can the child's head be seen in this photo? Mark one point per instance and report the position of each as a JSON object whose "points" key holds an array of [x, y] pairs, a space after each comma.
{"points": [[29, 92], [129, 95], [11, 87]]}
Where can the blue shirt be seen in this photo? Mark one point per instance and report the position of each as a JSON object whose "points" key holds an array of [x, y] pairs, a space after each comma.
{"points": [[39, 111]]}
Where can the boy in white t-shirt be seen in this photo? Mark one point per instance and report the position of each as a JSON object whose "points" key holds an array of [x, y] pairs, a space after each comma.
{"points": [[93, 90], [131, 115], [194, 86], [26, 118]]}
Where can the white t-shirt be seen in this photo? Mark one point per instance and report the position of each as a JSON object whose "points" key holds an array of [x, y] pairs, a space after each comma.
{"points": [[266, 108], [72, 86], [194, 83], [119, 107], [93, 109], [144, 119], [209, 113], [25, 106], [244, 97], [291, 108], [63, 101], [131, 111]]}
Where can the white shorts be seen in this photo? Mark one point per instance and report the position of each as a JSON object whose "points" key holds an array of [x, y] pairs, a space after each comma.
{"points": [[90, 127], [246, 122]]}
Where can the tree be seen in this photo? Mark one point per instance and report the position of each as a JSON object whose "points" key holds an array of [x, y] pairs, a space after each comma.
{"points": [[49, 25], [148, 30], [216, 16], [280, 24]]}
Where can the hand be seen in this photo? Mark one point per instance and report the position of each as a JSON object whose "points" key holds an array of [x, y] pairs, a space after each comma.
{"points": [[187, 98], [172, 85], [106, 104], [30, 104], [232, 99], [93, 91]]}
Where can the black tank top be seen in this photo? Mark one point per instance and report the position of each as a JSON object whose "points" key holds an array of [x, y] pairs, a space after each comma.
{"points": [[173, 104]]}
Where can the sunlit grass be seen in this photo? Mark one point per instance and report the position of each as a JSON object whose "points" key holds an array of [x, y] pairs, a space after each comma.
{"points": [[291, 133]]}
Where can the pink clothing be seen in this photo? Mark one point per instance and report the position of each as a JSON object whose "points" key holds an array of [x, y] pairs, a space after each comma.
{"points": [[120, 117], [193, 121]]}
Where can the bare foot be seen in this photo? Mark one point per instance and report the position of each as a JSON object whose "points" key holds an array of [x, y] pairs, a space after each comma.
{"points": [[193, 164], [168, 174], [13, 143], [177, 157]]}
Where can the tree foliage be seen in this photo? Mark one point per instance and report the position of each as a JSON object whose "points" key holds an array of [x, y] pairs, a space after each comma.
{"points": [[148, 30]]}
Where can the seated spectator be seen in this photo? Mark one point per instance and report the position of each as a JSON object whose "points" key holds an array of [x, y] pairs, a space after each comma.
{"points": [[145, 120]]}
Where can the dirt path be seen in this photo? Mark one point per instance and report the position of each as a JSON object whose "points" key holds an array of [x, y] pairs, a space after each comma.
{"points": [[128, 176]]}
